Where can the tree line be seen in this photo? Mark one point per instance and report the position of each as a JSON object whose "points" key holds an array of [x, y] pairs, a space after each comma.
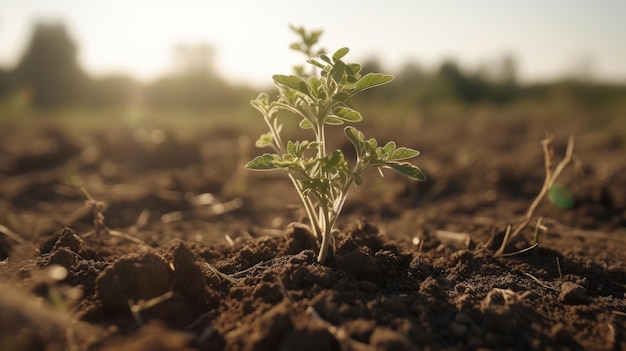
{"points": [[49, 76]]}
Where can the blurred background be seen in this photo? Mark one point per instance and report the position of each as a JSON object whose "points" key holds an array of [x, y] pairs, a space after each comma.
{"points": [[145, 103], [159, 59]]}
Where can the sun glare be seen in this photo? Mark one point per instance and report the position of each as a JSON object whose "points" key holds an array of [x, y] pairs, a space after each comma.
{"points": [[118, 40], [140, 37]]}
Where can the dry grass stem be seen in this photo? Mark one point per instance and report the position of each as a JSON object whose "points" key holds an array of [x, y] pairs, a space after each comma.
{"points": [[540, 282], [558, 266], [550, 178], [9, 233], [99, 227], [13, 236], [136, 308], [220, 274]]}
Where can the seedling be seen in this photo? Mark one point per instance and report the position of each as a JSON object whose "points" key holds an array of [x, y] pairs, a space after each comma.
{"points": [[323, 178]]}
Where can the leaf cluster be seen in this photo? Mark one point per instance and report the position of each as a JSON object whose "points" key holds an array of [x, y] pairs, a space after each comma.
{"points": [[327, 96], [322, 99], [387, 156]]}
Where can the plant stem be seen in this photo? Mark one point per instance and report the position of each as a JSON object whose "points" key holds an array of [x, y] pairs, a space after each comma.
{"points": [[308, 207], [321, 258]]}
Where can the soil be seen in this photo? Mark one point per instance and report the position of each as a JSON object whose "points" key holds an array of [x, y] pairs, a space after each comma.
{"points": [[174, 246]]}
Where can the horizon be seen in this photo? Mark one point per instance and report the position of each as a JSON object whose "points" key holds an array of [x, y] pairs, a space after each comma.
{"points": [[547, 41]]}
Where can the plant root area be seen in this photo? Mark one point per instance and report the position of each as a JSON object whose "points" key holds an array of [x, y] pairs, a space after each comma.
{"points": [[156, 238]]}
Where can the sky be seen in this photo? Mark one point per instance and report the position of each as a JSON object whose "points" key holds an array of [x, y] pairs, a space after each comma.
{"points": [[549, 39]]}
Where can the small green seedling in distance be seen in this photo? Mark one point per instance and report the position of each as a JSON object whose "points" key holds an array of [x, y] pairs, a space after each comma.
{"points": [[322, 178]]}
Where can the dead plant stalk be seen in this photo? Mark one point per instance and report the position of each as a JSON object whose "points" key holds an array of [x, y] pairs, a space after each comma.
{"points": [[550, 178]]}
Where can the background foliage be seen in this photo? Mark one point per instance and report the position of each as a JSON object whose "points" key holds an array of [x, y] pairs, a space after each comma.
{"points": [[48, 77]]}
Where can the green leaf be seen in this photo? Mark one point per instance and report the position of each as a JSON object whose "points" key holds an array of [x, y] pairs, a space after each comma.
{"points": [[264, 162], [313, 38], [288, 161], [297, 149], [333, 121], [347, 114], [261, 103], [338, 70], [310, 145], [353, 68], [352, 71], [358, 180], [314, 85], [340, 53], [261, 99], [291, 147], [320, 188], [264, 140], [373, 144], [292, 82], [333, 162], [299, 70], [341, 97], [407, 169], [389, 148], [402, 153], [356, 137], [316, 63], [305, 124], [371, 80], [298, 30], [326, 59]]}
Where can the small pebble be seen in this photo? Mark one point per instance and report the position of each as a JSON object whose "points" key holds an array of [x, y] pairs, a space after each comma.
{"points": [[573, 294]]}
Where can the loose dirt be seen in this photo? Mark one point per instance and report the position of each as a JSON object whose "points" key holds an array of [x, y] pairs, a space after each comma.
{"points": [[174, 246]]}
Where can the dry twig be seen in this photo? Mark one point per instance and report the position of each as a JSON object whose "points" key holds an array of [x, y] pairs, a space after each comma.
{"points": [[550, 178], [98, 208], [13, 236], [8, 232], [136, 308]]}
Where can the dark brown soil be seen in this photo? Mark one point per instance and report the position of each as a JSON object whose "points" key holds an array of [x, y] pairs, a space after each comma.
{"points": [[196, 253]]}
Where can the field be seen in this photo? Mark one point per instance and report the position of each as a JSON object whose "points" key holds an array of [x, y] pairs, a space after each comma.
{"points": [[147, 234]]}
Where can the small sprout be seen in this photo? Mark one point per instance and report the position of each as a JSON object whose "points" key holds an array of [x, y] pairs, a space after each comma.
{"points": [[323, 178], [561, 197]]}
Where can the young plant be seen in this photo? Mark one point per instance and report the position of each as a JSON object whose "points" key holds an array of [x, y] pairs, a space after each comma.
{"points": [[323, 178]]}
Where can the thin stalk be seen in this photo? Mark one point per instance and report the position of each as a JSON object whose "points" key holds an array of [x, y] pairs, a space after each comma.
{"points": [[276, 135], [322, 137], [327, 226], [308, 206], [279, 147], [276, 146], [321, 258], [338, 204], [330, 222]]}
